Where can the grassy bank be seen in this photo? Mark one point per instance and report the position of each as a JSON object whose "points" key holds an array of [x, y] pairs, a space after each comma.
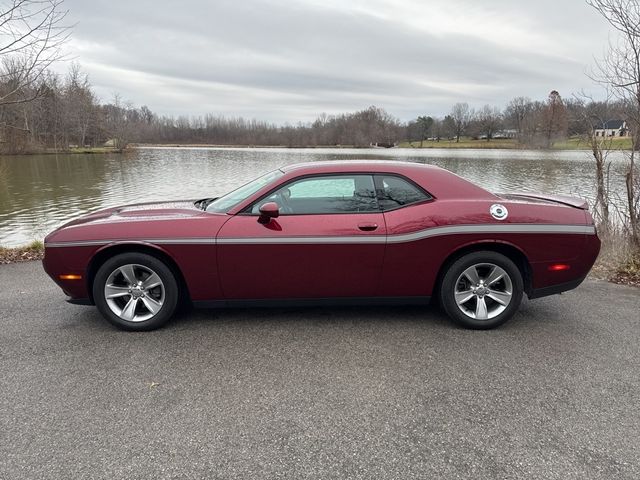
{"points": [[573, 143], [579, 143], [216, 145], [618, 261], [463, 143], [69, 151], [91, 150], [33, 251]]}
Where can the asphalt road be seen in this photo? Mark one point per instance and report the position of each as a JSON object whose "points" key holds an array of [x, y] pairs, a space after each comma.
{"points": [[319, 393]]}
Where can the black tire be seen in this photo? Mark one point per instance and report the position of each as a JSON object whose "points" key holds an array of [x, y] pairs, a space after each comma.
{"points": [[482, 260], [143, 264]]}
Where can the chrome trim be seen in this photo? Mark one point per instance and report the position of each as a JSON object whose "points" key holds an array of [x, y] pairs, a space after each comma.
{"points": [[368, 239], [297, 240], [160, 241]]}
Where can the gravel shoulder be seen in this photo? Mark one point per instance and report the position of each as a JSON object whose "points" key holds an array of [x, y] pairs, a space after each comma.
{"points": [[319, 393]]}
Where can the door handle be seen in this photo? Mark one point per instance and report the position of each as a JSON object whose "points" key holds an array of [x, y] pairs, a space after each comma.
{"points": [[367, 227]]}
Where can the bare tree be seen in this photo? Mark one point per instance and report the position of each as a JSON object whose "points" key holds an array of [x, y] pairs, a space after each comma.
{"points": [[32, 33], [80, 105], [118, 122], [449, 127], [620, 70], [425, 123], [489, 119], [518, 112], [594, 116], [554, 118], [461, 115]]}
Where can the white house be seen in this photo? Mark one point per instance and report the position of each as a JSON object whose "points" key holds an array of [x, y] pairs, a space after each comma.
{"points": [[611, 128]]}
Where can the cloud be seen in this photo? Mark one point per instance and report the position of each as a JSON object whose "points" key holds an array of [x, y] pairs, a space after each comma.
{"points": [[288, 61]]}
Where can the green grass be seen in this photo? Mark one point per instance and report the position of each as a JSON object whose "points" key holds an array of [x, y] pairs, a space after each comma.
{"points": [[573, 143], [463, 143], [579, 143], [93, 150]]}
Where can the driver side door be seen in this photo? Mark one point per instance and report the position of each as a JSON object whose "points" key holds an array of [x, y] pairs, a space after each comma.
{"points": [[328, 241]]}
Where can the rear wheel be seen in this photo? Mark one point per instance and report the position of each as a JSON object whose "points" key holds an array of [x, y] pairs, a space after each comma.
{"points": [[481, 290], [135, 291]]}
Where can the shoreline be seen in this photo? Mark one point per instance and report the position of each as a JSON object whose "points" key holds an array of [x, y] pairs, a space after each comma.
{"points": [[571, 144], [73, 151], [445, 145], [26, 253]]}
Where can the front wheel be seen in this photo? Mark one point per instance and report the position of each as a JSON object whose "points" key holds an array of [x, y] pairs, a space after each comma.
{"points": [[135, 291], [481, 290]]}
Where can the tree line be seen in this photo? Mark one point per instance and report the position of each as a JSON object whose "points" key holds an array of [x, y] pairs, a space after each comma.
{"points": [[42, 110], [64, 112]]}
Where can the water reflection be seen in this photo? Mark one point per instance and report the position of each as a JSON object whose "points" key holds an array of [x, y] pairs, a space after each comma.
{"points": [[37, 193]]}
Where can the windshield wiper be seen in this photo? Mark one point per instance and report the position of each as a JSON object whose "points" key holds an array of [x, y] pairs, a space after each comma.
{"points": [[204, 203]]}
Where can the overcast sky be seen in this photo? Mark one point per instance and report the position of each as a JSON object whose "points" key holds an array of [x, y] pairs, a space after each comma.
{"points": [[286, 61]]}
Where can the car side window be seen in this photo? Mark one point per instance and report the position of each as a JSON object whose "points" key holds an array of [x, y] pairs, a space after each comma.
{"points": [[323, 187], [325, 194], [394, 192]]}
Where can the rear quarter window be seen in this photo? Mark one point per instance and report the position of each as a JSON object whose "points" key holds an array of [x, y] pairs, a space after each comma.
{"points": [[395, 192]]}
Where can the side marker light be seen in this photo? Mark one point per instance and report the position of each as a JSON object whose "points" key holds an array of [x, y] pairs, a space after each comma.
{"points": [[70, 276]]}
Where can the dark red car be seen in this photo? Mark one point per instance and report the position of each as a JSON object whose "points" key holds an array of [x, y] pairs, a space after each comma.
{"points": [[364, 232]]}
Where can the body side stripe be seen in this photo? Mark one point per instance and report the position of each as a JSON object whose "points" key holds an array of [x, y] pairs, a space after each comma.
{"points": [[362, 239], [493, 228], [159, 241]]}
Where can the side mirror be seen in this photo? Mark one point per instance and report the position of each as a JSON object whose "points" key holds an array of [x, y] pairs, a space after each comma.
{"points": [[268, 211]]}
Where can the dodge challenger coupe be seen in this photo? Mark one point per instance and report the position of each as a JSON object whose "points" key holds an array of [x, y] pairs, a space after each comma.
{"points": [[359, 232]]}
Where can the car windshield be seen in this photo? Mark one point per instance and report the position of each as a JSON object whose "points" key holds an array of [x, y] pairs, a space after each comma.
{"points": [[231, 199]]}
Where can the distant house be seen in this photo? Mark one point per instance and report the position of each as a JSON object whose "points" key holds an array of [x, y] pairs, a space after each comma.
{"points": [[506, 133], [611, 128], [500, 135]]}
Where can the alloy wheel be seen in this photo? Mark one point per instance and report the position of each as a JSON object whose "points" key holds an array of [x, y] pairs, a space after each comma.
{"points": [[134, 292], [483, 291]]}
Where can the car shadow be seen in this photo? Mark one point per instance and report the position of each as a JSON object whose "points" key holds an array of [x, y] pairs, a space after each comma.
{"points": [[530, 314], [318, 315], [429, 317]]}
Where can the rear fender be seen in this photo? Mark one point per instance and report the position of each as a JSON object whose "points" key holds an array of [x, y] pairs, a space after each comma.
{"points": [[508, 249]]}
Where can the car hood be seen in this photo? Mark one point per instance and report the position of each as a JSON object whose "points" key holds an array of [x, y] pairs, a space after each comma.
{"points": [[145, 220], [141, 211]]}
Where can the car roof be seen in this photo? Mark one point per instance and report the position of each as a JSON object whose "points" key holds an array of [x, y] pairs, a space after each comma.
{"points": [[357, 166], [439, 182]]}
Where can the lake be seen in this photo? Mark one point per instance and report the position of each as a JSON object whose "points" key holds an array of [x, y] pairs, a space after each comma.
{"points": [[40, 192]]}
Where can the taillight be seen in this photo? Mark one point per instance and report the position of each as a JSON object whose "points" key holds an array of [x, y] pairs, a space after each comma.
{"points": [[558, 267]]}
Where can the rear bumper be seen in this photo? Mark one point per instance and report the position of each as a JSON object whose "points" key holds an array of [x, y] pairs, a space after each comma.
{"points": [[548, 281], [555, 289]]}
